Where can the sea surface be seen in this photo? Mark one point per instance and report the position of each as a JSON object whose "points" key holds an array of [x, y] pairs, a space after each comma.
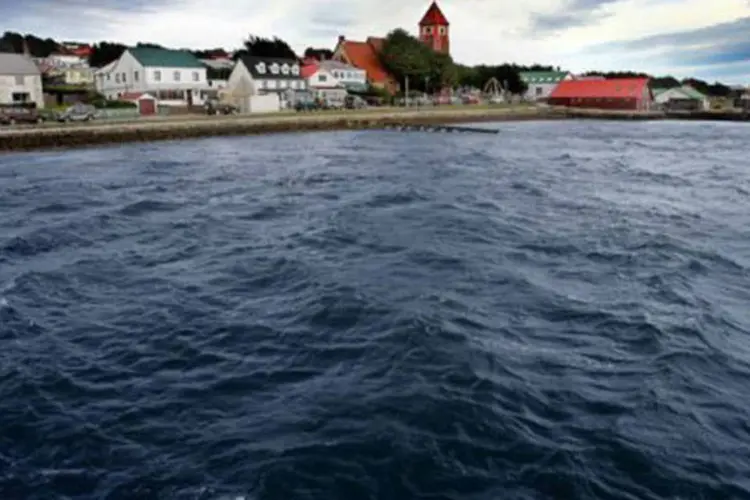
{"points": [[558, 311]]}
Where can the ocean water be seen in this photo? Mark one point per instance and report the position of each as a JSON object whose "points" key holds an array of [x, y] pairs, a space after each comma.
{"points": [[558, 311]]}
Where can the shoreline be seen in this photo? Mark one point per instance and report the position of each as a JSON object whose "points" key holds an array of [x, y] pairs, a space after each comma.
{"points": [[189, 127]]}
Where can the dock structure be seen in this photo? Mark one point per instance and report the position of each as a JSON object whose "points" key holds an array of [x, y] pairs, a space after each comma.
{"points": [[439, 128]]}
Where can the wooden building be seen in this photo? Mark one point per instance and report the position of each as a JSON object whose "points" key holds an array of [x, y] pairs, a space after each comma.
{"points": [[617, 93]]}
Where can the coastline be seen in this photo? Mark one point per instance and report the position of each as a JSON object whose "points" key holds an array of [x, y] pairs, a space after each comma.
{"points": [[187, 127]]}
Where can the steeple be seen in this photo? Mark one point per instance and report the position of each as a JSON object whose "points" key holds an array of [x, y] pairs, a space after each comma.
{"points": [[433, 29]]}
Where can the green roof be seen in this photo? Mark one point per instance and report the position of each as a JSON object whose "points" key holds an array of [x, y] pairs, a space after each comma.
{"points": [[165, 58], [685, 90], [543, 76]]}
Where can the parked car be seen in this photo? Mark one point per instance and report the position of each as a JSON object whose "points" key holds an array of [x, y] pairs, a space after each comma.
{"points": [[13, 114], [354, 102], [220, 108], [78, 112]]}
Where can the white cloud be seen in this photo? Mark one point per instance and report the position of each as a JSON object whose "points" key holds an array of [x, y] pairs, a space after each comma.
{"points": [[482, 31]]}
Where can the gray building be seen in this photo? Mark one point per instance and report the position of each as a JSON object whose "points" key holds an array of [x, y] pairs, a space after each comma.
{"points": [[20, 80]]}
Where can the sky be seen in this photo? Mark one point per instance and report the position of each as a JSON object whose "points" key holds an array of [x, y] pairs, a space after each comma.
{"points": [[701, 38]]}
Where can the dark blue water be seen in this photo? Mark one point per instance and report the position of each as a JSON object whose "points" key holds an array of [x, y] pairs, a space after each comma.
{"points": [[561, 311]]}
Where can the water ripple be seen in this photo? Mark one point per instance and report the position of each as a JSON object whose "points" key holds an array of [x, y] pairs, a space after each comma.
{"points": [[556, 312]]}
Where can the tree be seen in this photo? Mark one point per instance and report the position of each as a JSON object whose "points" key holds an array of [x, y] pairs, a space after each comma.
{"points": [[404, 57], [103, 53], [266, 47], [509, 76], [319, 54], [14, 42]]}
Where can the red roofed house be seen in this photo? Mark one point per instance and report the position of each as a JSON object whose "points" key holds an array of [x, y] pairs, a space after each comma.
{"points": [[366, 56], [617, 93], [433, 30]]}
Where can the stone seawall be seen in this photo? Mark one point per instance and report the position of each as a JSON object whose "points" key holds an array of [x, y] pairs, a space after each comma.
{"points": [[80, 135]]}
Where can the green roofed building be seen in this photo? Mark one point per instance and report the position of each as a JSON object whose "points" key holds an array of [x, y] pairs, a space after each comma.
{"points": [[680, 98], [542, 83], [173, 77]]}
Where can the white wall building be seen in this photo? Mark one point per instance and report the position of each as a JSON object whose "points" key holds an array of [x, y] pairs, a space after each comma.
{"points": [[174, 77], [20, 80], [542, 83], [350, 77], [253, 76]]}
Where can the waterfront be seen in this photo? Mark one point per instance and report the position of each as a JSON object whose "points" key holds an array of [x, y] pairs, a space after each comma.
{"points": [[558, 311]]}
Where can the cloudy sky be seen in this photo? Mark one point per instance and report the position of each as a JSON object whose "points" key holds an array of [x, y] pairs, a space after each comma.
{"points": [[705, 38]]}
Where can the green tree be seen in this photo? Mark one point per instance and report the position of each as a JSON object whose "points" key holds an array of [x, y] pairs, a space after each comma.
{"points": [[405, 56], [103, 53], [266, 47]]}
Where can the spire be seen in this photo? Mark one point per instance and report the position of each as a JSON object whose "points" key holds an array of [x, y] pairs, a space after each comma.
{"points": [[434, 16]]}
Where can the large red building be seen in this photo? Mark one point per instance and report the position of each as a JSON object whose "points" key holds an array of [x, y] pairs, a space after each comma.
{"points": [[617, 93], [433, 30]]}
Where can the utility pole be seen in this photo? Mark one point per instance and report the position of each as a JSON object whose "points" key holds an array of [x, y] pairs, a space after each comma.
{"points": [[406, 92]]}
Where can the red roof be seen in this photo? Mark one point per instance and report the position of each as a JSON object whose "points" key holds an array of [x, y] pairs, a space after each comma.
{"points": [[614, 88], [308, 69], [434, 17], [364, 55]]}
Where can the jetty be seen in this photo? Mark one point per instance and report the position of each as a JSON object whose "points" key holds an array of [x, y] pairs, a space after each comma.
{"points": [[441, 129]]}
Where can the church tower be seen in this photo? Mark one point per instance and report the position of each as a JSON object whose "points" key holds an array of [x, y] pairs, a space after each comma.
{"points": [[433, 29]]}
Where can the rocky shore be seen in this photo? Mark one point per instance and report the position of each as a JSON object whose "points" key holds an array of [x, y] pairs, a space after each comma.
{"points": [[72, 135]]}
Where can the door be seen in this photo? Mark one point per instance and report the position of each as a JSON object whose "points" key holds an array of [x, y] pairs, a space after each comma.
{"points": [[147, 107]]}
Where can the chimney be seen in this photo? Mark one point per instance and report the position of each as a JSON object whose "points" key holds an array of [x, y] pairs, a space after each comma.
{"points": [[341, 38]]}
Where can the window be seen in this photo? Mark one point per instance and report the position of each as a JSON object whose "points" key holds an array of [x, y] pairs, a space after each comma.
{"points": [[322, 78], [285, 69], [441, 30], [135, 76], [117, 78], [260, 68], [176, 76], [19, 79], [196, 76], [157, 76], [275, 69], [109, 77], [295, 70], [539, 91], [20, 97], [264, 84], [428, 30], [123, 78]]}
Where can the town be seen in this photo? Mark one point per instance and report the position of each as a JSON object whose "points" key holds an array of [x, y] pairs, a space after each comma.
{"points": [[43, 80]]}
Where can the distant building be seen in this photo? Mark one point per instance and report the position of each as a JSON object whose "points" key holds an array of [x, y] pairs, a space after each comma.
{"points": [[20, 80], [618, 93], [684, 98], [541, 83]]}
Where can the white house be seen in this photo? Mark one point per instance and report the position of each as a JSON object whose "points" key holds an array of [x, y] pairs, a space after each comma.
{"points": [[322, 83], [20, 80], [262, 76], [352, 78], [174, 77], [685, 97], [542, 83]]}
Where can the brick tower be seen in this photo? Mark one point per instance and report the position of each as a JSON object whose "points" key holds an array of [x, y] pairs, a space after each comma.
{"points": [[433, 29]]}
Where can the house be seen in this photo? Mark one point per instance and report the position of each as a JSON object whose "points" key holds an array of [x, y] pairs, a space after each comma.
{"points": [[617, 93], [254, 76], [333, 79], [20, 80], [541, 83], [366, 56], [323, 83], [684, 98], [173, 77]]}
